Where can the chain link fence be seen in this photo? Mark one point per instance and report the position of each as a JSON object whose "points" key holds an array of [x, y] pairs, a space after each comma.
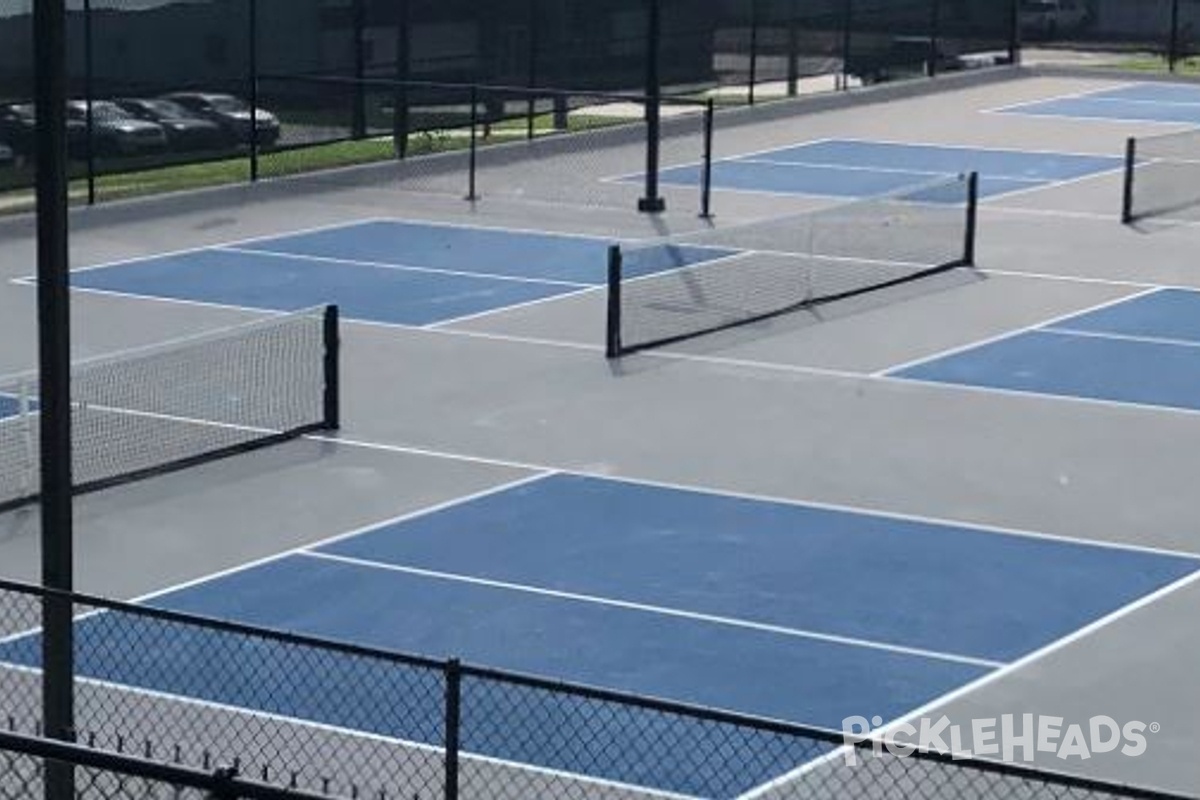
{"points": [[309, 715], [187, 93]]}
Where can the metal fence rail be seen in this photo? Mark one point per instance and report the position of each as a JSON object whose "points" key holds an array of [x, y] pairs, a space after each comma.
{"points": [[327, 718]]}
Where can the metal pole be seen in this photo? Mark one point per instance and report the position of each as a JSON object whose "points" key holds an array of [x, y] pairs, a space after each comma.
{"points": [[54, 362], [332, 341], [753, 51], [612, 338], [793, 66], [847, 25], [651, 202], [400, 118], [1014, 32], [474, 144], [253, 59], [1173, 42], [358, 124], [706, 177], [530, 127], [1127, 189], [89, 93], [452, 726], [935, 14]]}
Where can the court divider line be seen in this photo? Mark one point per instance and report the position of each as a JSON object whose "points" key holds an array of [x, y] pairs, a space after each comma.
{"points": [[883, 732], [888, 372], [1057, 184], [985, 149], [399, 267], [945, 522], [1089, 118], [1121, 337], [353, 733], [666, 611]]}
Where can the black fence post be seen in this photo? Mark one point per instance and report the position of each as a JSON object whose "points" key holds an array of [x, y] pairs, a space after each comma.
{"points": [[332, 341], [54, 363], [532, 72], [89, 93], [452, 726], [1173, 41], [1127, 188], [847, 26], [474, 145], [706, 168], [358, 124], [612, 334], [1014, 32], [935, 23], [793, 57], [753, 51], [400, 116], [651, 202], [253, 62]]}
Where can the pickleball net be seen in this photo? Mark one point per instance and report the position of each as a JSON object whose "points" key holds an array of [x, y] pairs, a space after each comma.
{"points": [[176, 404], [668, 290], [1162, 177]]}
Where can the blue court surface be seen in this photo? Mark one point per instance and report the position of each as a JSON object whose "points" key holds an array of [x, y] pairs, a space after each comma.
{"points": [[855, 169], [1138, 102], [379, 271], [778, 609], [1144, 350]]}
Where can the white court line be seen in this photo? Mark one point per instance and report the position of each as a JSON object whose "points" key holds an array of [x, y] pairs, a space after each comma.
{"points": [[381, 265], [950, 351], [1175, 103], [721, 159], [983, 148], [1100, 118], [353, 733], [882, 733], [1085, 93], [537, 301], [879, 513], [695, 616], [1119, 337], [841, 167]]}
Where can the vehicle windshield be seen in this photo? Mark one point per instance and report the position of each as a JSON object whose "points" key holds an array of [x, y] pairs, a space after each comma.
{"points": [[104, 111], [227, 104], [164, 108]]}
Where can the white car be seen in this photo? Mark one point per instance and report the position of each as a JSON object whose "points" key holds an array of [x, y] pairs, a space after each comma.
{"points": [[1046, 19]]}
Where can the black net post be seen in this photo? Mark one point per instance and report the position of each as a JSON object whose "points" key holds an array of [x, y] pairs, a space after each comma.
{"points": [[1173, 41], [453, 709], [651, 202], [707, 159], [332, 400], [54, 363], [972, 219], [88, 94], [474, 144], [358, 125], [612, 337], [1127, 185], [252, 60]]}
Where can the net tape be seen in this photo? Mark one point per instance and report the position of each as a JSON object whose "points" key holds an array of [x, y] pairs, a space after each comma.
{"points": [[176, 403], [695, 283]]}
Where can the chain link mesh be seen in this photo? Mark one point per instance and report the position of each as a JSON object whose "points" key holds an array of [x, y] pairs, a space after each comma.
{"points": [[339, 721]]}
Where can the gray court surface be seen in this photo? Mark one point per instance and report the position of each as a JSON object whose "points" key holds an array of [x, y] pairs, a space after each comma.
{"points": [[798, 408]]}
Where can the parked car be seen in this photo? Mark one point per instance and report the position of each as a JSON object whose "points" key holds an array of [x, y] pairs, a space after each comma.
{"points": [[7, 157], [1046, 19], [117, 132], [185, 130], [231, 113], [18, 128]]}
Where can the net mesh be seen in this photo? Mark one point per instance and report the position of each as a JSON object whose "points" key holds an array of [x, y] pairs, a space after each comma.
{"points": [[178, 403], [696, 283], [1163, 177]]}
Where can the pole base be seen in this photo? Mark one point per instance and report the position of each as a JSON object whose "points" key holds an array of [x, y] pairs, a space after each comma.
{"points": [[652, 205]]}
